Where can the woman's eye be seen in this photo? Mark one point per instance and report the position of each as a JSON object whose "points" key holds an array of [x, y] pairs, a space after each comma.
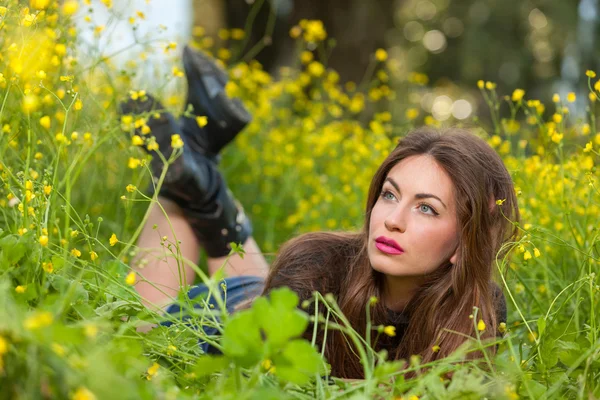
{"points": [[427, 209], [386, 194]]}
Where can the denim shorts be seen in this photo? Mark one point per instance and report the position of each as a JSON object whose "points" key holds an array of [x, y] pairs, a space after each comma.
{"points": [[237, 290]]}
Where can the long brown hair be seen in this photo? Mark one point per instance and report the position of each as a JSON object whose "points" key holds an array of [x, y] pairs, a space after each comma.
{"points": [[338, 263]]}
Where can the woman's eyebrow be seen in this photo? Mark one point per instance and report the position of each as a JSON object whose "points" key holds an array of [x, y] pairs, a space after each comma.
{"points": [[418, 195]]}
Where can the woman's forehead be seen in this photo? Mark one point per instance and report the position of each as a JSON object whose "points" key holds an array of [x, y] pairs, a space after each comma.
{"points": [[422, 174]]}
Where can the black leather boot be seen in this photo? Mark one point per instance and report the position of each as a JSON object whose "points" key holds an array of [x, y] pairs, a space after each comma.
{"points": [[226, 117], [194, 182]]}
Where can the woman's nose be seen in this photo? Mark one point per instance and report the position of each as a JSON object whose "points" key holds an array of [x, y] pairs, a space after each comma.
{"points": [[396, 220]]}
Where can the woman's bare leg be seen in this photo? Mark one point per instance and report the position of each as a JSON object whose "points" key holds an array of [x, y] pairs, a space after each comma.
{"points": [[253, 263], [161, 275]]}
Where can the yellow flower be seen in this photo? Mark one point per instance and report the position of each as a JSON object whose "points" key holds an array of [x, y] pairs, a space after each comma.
{"points": [[590, 74], [3, 11], [500, 201], [556, 98], [480, 84], [3, 346], [238, 34], [502, 327], [557, 118], [70, 7], [295, 32], [137, 140], [481, 326], [490, 85], [170, 46], [176, 141], [113, 240], [527, 255], [153, 370], [47, 190], [557, 137], [43, 240], [435, 348], [130, 278], [76, 253], [588, 147], [93, 255], [316, 69], [83, 393], [390, 330], [20, 289], [30, 103], [28, 20], [48, 267], [381, 55], [518, 95], [306, 57], [90, 330], [268, 365], [133, 163], [571, 97], [412, 113], [74, 233], [39, 319], [130, 188], [201, 121], [45, 121], [536, 252], [152, 144], [586, 129], [177, 72]]}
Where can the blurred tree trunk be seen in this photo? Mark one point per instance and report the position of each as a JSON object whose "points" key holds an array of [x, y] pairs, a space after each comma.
{"points": [[358, 27], [210, 15]]}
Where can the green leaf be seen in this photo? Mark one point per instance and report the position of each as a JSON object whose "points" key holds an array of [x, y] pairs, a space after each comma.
{"points": [[279, 318], [297, 363], [209, 364], [13, 248], [242, 340], [541, 323]]}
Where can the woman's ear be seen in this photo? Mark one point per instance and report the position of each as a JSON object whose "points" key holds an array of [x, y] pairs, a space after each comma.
{"points": [[454, 257]]}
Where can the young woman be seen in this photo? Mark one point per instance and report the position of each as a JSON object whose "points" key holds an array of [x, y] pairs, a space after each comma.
{"points": [[431, 234]]}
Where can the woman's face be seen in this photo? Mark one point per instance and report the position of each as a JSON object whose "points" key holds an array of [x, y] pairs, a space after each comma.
{"points": [[416, 210]]}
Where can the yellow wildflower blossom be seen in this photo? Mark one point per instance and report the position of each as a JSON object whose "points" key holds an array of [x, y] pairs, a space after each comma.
{"points": [[201, 121], [83, 393], [130, 278], [390, 330], [133, 163], [176, 141], [571, 97], [137, 140], [43, 240], [113, 240], [39, 319], [152, 370], [93, 255], [20, 289], [590, 74], [381, 55], [518, 95], [76, 253], [481, 325], [502, 327]]}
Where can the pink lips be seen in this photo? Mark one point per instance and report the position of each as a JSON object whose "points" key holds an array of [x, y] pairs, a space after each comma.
{"points": [[388, 246]]}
